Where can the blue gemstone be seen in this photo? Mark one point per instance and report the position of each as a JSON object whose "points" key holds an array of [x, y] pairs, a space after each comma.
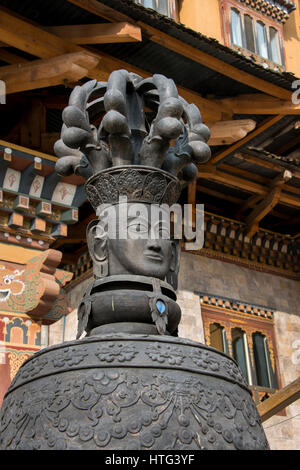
{"points": [[161, 307]]}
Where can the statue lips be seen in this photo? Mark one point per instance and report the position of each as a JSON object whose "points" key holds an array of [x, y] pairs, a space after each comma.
{"points": [[153, 256]]}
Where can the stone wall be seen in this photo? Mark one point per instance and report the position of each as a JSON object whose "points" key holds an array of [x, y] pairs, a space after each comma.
{"points": [[283, 432], [210, 276]]}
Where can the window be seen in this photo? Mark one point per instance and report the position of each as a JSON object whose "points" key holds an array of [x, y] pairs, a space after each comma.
{"points": [[275, 48], [249, 33], [236, 28], [165, 7], [241, 353], [262, 43], [254, 35], [247, 334], [263, 367], [218, 337]]}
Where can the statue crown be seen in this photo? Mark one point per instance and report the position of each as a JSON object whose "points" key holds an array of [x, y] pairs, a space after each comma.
{"points": [[146, 146]]}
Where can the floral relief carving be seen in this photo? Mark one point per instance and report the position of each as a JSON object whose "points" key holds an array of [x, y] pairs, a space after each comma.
{"points": [[116, 405], [161, 353], [69, 357], [116, 352], [204, 360]]}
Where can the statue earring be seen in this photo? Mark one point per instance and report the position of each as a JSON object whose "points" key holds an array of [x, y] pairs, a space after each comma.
{"points": [[100, 267], [98, 250]]}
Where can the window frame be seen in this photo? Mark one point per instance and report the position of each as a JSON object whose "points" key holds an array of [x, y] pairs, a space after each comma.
{"points": [[250, 324], [172, 6], [225, 12]]}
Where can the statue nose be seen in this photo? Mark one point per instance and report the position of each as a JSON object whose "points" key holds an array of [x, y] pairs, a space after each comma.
{"points": [[153, 245]]}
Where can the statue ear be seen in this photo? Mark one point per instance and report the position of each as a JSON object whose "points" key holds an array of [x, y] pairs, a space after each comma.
{"points": [[172, 276], [97, 245]]}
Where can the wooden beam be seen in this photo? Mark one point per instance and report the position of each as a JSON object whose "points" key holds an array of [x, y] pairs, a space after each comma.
{"points": [[280, 400], [244, 174], [192, 191], [211, 173], [101, 33], [263, 163], [99, 9], [30, 38], [267, 204], [252, 201], [258, 103], [24, 36], [213, 63], [258, 178], [288, 145], [11, 58], [261, 210], [228, 132], [49, 72], [209, 110], [263, 127]]}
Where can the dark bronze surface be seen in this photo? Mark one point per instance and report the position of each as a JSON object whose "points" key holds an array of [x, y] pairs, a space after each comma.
{"points": [[130, 383], [130, 392]]}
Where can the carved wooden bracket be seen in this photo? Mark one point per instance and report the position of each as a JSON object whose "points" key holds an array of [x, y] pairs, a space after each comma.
{"points": [[34, 284]]}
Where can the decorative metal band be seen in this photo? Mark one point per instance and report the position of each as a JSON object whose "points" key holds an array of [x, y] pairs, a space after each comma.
{"points": [[186, 397], [137, 183], [121, 351]]}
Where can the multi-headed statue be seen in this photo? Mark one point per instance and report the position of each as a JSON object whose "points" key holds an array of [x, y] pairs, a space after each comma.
{"points": [[143, 151], [131, 383]]}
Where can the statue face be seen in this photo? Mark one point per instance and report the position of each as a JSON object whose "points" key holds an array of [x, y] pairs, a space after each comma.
{"points": [[145, 248]]}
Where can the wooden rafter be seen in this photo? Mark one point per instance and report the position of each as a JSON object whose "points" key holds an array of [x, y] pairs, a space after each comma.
{"points": [[252, 201], [258, 103], [272, 165], [280, 400], [42, 73], [213, 63], [228, 132], [267, 204], [23, 35], [99, 9], [27, 37], [263, 127], [249, 203], [211, 173], [11, 57], [101, 33]]}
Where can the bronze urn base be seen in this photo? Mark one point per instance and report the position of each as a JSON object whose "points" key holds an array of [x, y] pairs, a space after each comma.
{"points": [[130, 392]]}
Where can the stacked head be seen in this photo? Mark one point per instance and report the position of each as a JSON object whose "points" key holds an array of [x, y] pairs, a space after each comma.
{"points": [[137, 142]]}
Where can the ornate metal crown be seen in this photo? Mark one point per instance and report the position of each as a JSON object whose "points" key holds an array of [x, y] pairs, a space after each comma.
{"points": [[146, 144]]}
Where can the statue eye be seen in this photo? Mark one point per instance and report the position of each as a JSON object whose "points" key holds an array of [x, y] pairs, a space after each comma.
{"points": [[164, 233], [138, 228], [7, 281]]}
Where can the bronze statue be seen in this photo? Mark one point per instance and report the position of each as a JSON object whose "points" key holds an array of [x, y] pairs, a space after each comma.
{"points": [[131, 157], [131, 383]]}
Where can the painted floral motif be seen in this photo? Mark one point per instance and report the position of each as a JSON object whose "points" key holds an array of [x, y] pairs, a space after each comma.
{"points": [[10, 284]]}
